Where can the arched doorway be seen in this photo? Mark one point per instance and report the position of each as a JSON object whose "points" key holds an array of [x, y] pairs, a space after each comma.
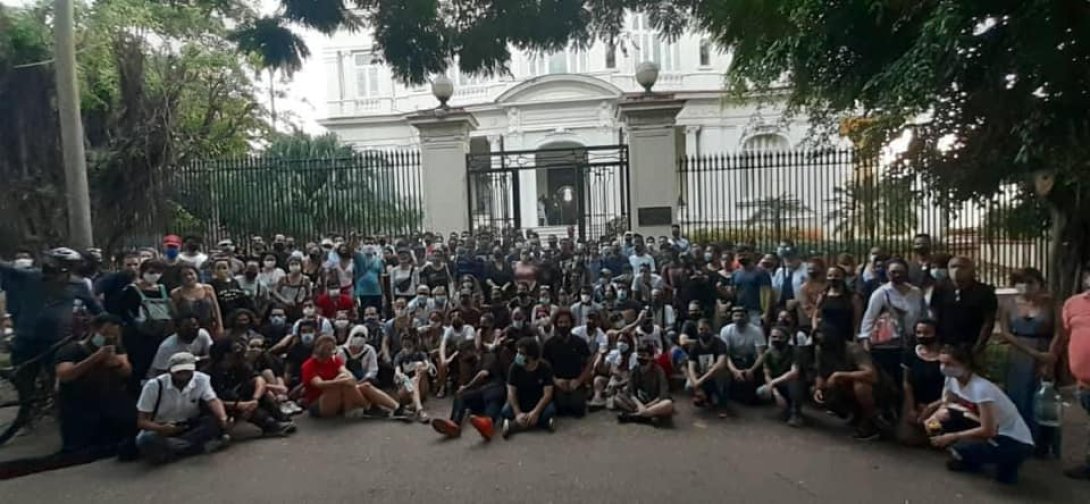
{"points": [[557, 183]]}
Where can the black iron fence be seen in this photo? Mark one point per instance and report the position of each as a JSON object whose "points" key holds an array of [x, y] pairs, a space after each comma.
{"points": [[833, 201], [370, 192]]}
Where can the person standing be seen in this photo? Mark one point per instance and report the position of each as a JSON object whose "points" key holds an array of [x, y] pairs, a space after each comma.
{"points": [[751, 288], [1075, 340], [965, 309], [1026, 323]]}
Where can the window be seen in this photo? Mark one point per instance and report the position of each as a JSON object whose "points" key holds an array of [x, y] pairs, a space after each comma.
{"points": [[558, 63], [611, 56], [651, 47], [705, 53], [367, 80]]}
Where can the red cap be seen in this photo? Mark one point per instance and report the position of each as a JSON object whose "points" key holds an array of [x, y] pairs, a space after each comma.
{"points": [[172, 240]]}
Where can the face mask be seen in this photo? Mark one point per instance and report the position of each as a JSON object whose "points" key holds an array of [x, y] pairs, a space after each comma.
{"points": [[518, 324], [333, 292], [741, 322], [251, 274], [585, 298], [705, 337], [340, 323], [925, 341], [307, 338], [520, 360], [278, 320], [270, 264], [622, 347], [708, 257], [622, 294], [952, 371], [420, 298], [171, 253], [543, 300], [152, 278], [23, 263], [1021, 288], [441, 299], [779, 344], [308, 312], [295, 268], [98, 340]]}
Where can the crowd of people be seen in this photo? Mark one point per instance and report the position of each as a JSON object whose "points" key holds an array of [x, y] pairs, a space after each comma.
{"points": [[177, 344]]}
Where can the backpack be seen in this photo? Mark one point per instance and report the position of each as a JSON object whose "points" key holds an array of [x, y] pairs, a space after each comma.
{"points": [[155, 314]]}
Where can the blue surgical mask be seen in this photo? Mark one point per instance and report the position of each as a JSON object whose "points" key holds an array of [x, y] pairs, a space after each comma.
{"points": [[940, 274], [307, 338], [520, 360], [171, 253], [622, 347], [278, 320]]}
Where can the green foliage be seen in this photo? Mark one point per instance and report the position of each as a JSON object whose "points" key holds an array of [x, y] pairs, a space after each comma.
{"points": [[868, 208]]}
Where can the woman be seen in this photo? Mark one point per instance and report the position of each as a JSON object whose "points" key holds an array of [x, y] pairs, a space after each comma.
{"points": [[293, 288], [611, 371], [411, 370], [544, 304], [499, 275], [342, 270], [312, 265], [811, 291], [360, 358], [976, 421], [436, 273], [241, 324], [270, 275], [227, 291], [838, 310], [404, 277], [923, 381], [342, 326], [1026, 323], [525, 270], [204, 301], [331, 390], [271, 369], [243, 390], [148, 313]]}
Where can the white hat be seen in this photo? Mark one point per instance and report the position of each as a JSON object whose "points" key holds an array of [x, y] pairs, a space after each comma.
{"points": [[182, 361]]}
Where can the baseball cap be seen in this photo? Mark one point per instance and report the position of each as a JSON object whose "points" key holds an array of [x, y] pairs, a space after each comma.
{"points": [[182, 361], [172, 241]]}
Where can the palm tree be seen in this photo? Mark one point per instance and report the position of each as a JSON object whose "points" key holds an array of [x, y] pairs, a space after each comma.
{"points": [[864, 209], [277, 49], [775, 210]]}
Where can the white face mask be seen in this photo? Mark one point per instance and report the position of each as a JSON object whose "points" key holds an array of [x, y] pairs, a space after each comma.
{"points": [[585, 298], [295, 268], [23, 263], [340, 323], [270, 264], [308, 312], [152, 278]]}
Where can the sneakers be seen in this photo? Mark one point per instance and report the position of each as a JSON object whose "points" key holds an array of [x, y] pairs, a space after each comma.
{"points": [[866, 433], [624, 418], [551, 425], [1079, 472], [217, 444], [483, 425], [278, 429], [795, 420], [598, 403], [422, 416], [446, 427], [506, 428]]}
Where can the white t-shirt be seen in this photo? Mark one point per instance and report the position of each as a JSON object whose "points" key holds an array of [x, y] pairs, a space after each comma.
{"points": [[200, 346], [746, 342], [613, 358], [175, 405], [454, 337], [654, 338], [595, 341], [979, 391]]}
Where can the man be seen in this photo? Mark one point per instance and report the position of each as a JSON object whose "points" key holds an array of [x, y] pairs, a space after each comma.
{"points": [[481, 394], [96, 413], [645, 283], [585, 305], [751, 289], [614, 259], [530, 386], [677, 241], [334, 300], [640, 257], [965, 309], [569, 357], [243, 390], [647, 397], [189, 338], [453, 334], [109, 287], [368, 266], [591, 332], [920, 265], [783, 379], [421, 306], [849, 384], [789, 277], [1076, 334], [745, 345], [172, 276], [706, 367], [191, 253], [171, 421]]}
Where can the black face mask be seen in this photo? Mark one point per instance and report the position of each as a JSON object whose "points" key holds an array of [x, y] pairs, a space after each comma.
{"points": [[779, 344], [278, 246]]}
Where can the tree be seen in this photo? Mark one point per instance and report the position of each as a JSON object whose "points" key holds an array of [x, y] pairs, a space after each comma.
{"points": [[869, 209], [775, 210], [993, 91]]}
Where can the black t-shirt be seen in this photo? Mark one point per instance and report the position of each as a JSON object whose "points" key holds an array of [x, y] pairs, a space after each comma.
{"points": [[961, 315], [231, 296], [234, 383], [706, 354], [96, 384], [530, 385], [567, 357], [485, 362], [111, 287]]}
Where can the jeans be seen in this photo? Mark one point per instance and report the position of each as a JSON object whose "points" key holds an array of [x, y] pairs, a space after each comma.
{"points": [[487, 400], [1006, 453], [717, 389], [1022, 382], [547, 413], [792, 392], [158, 448], [572, 403]]}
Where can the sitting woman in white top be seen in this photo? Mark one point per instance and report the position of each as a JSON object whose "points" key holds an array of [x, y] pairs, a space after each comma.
{"points": [[360, 358], [976, 421]]}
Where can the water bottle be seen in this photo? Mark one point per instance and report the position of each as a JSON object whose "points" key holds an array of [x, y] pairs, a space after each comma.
{"points": [[1047, 412]]}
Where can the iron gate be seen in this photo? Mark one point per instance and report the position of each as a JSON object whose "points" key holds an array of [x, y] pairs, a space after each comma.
{"points": [[582, 187]]}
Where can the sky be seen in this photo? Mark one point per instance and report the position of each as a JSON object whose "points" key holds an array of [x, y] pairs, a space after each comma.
{"points": [[304, 93]]}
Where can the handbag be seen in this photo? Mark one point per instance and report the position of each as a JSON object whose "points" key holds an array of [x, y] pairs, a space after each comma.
{"points": [[889, 325]]}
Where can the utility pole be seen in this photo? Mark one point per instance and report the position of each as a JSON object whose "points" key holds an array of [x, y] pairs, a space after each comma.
{"points": [[75, 160]]}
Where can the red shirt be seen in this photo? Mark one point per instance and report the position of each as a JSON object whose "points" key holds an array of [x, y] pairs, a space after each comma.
{"points": [[328, 306], [326, 370], [1076, 319]]}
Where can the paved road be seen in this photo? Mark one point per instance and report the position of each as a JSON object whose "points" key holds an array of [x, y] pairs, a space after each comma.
{"points": [[749, 459]]}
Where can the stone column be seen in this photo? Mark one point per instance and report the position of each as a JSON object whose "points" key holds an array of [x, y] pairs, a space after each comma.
{"points": [[654, 145], [444, 143]]}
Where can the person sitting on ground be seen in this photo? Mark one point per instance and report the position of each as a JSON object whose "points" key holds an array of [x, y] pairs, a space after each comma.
{"points": [[783, 378], [189, 337], [95, 412], [706, 372], [331, 390], [612, 371], [848, 383], [271, 368], [989, 431], [411, 371], [295, 350], [242, 390], [360, 358], [453, 335], [482, 395], [923, 382], [179, 414], [333, 300], [591, 332], [529, 391], [240, 325], [310, 312], [342, 326], [647, 397], [745, 346], [570, 358]]}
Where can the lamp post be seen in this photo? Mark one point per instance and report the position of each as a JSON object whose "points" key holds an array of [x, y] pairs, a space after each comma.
{"points": [[647, 73], [442, 88]]}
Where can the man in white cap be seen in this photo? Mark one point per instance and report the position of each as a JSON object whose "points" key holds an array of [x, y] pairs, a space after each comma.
{"points": [[170, 417]]}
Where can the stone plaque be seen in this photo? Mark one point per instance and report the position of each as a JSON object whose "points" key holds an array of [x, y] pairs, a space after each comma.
{"points": [[655, 216]]}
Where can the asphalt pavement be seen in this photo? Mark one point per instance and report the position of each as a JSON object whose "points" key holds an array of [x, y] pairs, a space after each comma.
{"points": [[751, 458]]}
